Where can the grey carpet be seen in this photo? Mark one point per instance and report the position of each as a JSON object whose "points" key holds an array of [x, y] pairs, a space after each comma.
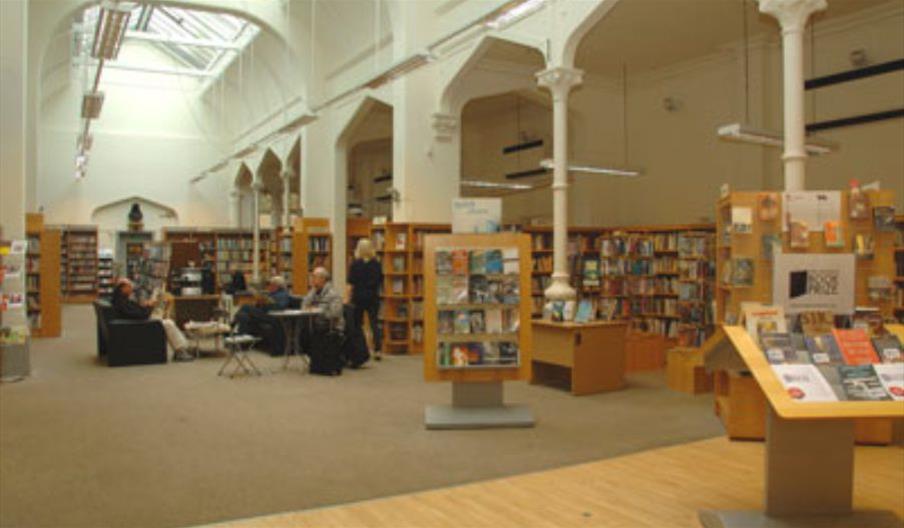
{"points": [[172, 445]]}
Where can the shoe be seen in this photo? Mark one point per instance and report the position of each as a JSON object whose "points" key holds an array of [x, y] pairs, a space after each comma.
{"points": [[378, 356]]}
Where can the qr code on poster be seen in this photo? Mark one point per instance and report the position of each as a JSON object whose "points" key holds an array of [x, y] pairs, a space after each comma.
{"points": [[822, 282]]}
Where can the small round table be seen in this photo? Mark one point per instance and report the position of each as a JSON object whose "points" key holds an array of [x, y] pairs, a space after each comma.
{"points": [[291, 321]]}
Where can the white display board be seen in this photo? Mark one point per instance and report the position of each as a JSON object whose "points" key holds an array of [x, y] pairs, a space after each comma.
{"points": [[807, 282], [476, 215], [813, 208]]}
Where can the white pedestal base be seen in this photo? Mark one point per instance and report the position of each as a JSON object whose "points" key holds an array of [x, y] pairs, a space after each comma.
{"points": [[477, 406], [756, 519]]}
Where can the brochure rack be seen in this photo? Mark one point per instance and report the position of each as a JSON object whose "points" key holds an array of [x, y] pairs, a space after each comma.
{"points": [[809, 454], [490, 357]]}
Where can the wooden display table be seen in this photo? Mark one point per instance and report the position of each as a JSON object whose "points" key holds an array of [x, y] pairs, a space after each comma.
{"points": [[809, 455], [194, 308], [591, 354]]}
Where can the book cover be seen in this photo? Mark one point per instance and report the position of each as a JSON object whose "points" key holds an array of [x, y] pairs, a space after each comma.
{"points": [[591, 272], [824, 350], [817, 323], [760, 319], [884, 218], [478, 324], [830, 374], [585, 311], [495, 291], [475, 353], [479, 290], [401, 240], [868, 319], [493, 320], [771, 244], [889, 348], [459, 289], [511, 321], [462, 322], [444, 355], [741, 220], [767, 206], [855, 346], [858, 203], [460, 355], [510, 263], [891, 375], [460, 261], [398, 286], [801, 353], [508, 353], [494, 264], [478, 262], [833, 234], [804, 383], [443, 262], [398, 263], [777, 348], [445, 322], [861, 383], [742, 272], [491, 353], [511, 289], [864, 246], [444, 290], [799, 236]]}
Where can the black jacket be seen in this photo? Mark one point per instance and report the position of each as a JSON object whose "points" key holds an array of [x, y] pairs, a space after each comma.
{"points": [[366, 278], [127, 308]]}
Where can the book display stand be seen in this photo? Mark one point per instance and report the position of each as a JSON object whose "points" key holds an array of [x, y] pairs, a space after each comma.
{"points": [[809, 454], [42, 280], [477, 327]]}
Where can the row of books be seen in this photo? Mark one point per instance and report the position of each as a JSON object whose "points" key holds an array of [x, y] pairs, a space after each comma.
{"points": [[477, 261], [539, 284], [695, 245], [242, 243], [318, 243], [667, 328], [694, 291], [655, 306], [695, 269], [652, 285], [623, 266], [478, 321], [624, 245], [543, 263], [477, 289], [478, 354]]}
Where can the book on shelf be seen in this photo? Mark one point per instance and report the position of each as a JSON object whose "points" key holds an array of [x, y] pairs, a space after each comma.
{"points": [[742, 271], [771, 244], [494, 262], [443, 262], [855, 346], [833, 234], [864, 246], [493, 320], [477, 262], [478, 323], [741, 220], [767, 206], [799, 234], [460, 265], [446, 322], [398, 286], [479, 290], [884, 218], [401, 240]]}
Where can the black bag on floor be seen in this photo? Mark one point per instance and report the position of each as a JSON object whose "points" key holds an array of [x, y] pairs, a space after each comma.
{"points": [[355, 346], [325, 352]]}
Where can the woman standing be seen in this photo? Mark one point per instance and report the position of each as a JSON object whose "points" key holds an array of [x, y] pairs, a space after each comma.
{"points": [[365, 278]]}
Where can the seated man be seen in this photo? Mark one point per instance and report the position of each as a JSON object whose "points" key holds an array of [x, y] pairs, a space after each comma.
{"points": [[323, 296], [254, 319], [126, 308]]}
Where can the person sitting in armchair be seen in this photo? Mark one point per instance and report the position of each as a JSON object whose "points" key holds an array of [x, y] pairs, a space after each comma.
{"points": [[127, 308]]}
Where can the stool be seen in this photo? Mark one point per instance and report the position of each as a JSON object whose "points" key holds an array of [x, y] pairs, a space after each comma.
{"points": [[237, 347]]}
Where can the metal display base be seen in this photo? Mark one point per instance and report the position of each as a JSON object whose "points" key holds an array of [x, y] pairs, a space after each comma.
{"points": [[757, 519], [477, 406]]}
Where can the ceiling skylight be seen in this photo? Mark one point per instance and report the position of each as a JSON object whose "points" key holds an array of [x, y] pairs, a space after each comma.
{"points": [[198, 41]]}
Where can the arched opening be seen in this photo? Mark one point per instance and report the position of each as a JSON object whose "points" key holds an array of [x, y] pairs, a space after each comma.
{"points": [[269, 174], [244, 200]]}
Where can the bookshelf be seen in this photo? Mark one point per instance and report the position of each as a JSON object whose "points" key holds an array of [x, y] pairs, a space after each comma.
{"points": [[105, 273], [282, 248], [313, 245], [42, 277], [355, 230], [899, 269], [78, 263], [130, 248], [400, 247]]}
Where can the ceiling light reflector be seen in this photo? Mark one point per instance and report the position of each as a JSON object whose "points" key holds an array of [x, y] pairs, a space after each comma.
{"points": [[746, 134], [496, 185], [110, 30], [609, 171], [92, 102]]}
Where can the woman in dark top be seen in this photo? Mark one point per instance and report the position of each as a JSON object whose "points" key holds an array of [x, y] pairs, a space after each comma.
{"points": [[365, 277]]}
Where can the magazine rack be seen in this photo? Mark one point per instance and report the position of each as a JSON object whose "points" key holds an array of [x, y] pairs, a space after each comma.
{"points": [[809, 454], [477, 390]]}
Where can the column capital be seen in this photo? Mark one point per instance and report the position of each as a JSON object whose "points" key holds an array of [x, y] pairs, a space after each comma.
{"points": [[560, 78], [258, 186], [791, 14], [287, 174], [444, 126]]}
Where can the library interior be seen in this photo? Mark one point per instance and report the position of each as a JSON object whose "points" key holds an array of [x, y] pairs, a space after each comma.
{"points": [[445, 263]]}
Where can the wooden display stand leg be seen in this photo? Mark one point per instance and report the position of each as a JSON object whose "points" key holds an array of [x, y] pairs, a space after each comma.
{"points": [[477, 405], [809, 480]]}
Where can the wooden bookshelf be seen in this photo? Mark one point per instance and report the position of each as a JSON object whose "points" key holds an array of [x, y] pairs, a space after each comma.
{"points": [[313, 247], [78, 263], [105, 275], [42, 277], [282, 248], [400, 247], [899, 269]]}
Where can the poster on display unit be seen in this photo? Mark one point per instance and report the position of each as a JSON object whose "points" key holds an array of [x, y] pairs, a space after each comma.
{"points": [[476, 215], [18, 247], [811, 209], [806, 282]]}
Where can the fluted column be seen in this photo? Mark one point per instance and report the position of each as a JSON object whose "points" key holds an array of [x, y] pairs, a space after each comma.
{"points": [[256, 190], [287, 176], [560, 81], [792, 15]]}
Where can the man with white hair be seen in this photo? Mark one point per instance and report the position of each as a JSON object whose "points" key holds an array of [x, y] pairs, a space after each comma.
{"points": [[322, 295], [278, 299]]}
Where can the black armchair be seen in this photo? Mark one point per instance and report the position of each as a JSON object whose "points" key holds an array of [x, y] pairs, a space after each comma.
{"points": [[127, 342]]}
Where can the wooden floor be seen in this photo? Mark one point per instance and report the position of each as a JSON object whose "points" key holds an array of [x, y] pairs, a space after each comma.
{"points": [[659, 488]]}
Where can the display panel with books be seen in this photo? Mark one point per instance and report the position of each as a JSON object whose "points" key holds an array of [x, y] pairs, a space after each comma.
{"points": [[42, 278], [78, 263], [477, 307]]}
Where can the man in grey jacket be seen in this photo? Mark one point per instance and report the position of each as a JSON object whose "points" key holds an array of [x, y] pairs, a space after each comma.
{"points": [[323, 296]]}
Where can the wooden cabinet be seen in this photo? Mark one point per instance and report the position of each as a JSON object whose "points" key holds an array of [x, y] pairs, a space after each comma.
{"points": [[589, 357]]}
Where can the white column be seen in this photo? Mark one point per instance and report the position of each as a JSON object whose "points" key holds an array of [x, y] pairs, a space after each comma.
{"points": [[256, 189], [235, 208], [287, 176], [792, 15], [560, 81]]}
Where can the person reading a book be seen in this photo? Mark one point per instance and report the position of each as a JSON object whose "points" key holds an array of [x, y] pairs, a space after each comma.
{"points": [[249, 317], [127, 308], [365, 281], [322, 295]]}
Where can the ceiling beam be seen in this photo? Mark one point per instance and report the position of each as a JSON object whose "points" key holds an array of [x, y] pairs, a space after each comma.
{"points": [[187, 72], [197, 43]]}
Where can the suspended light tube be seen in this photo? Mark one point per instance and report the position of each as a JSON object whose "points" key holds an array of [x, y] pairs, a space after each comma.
{"points": [[496, 185], [92, 102], [112, 22], [511, 12], [745, 134], [609, 171], [400, 68]]}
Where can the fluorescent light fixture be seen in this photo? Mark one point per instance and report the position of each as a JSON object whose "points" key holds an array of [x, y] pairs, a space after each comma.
{"points": [[400, 68], [112, 23], [511, 12], [496, 185], [297, 123], [746, 134], [244, 152], [92, 102], [609, 171], [84, 142]]}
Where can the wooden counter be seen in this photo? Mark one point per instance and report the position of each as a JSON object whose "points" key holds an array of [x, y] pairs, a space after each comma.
{"points": [[590, 355]]}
